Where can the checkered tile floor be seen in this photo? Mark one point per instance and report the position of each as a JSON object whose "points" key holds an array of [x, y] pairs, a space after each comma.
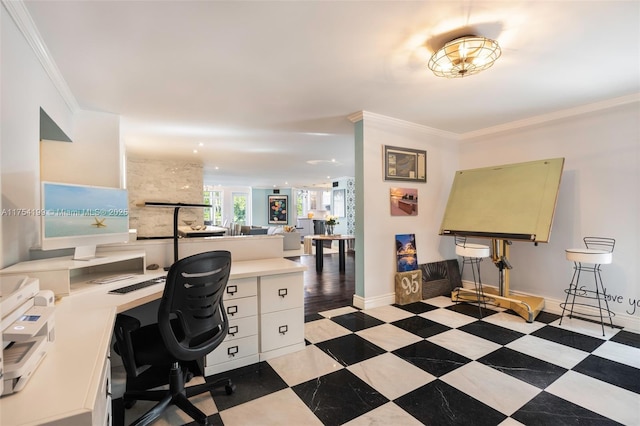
{"points": [[434, 362]]}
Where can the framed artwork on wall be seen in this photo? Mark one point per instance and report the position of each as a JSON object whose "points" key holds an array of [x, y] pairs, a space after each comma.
{"points": [[278, 208], [405, 164], [404, 201]]}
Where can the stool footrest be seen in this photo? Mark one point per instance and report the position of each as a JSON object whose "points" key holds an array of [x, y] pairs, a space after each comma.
{"points": [[585, 294], [601, 312]]}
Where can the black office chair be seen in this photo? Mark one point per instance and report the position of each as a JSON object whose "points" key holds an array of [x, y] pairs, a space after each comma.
{"points": [[192, 322]]}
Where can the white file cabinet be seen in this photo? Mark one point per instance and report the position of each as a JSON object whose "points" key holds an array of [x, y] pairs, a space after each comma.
{"points": [[266, 319], [240, 347], [281, 314]]}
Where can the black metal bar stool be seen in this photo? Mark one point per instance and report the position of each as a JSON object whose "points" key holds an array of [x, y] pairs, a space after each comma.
{"points": [[472, 254], [598, 251]]}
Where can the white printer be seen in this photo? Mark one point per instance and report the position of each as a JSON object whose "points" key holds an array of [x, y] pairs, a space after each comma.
{"points": [[27, 329]]}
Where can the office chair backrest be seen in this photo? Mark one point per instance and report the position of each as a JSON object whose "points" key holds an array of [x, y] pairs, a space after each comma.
{"points": [[191, 317]]}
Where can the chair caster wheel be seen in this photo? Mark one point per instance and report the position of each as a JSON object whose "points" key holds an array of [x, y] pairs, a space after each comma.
{"points": [[129, 403], [229, 389]]}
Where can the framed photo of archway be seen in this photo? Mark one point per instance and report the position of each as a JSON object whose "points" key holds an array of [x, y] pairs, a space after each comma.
{"points": [[405, 164], [278, 209]]}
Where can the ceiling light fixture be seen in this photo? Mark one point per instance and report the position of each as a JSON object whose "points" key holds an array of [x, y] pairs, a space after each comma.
{"points": [[464, 56]]}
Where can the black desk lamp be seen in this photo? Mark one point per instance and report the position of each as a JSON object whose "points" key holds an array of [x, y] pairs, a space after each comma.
{"points": [[176, 208]]}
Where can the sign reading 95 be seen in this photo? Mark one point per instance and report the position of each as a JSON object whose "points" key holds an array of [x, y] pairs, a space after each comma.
{"points": [[408, 287]]}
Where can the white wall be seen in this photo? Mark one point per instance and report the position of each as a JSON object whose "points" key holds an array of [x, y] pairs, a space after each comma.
{"points": [[93, 157], [599, 196], [25, 88], [375, 227]]}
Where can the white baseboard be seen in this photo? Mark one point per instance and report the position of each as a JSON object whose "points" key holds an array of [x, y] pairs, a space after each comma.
{"points": [[374, 302], [621, 319]]}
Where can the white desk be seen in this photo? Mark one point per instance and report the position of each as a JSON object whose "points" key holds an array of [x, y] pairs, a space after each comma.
{"points": [[70, 387]]}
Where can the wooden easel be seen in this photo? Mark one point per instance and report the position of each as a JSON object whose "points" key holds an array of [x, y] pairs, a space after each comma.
{"points": [[513, 202]]}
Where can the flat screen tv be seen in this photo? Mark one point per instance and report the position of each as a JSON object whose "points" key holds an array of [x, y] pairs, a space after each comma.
{"points": [[82, 217]]}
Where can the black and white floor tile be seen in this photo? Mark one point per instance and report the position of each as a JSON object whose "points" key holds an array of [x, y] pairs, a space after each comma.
{"points": [[434, 362]]}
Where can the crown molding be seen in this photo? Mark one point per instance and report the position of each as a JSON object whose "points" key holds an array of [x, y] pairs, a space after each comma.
{"points": [[20, 15], [356, 116], [514, 125], [554, 116], [383, 119]]}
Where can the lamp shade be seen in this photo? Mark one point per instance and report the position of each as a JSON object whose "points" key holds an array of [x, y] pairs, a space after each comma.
{"points": [[464, 56]]}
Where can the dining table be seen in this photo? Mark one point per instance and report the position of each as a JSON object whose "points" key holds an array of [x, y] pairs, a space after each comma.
{"points": [[319, 239]]}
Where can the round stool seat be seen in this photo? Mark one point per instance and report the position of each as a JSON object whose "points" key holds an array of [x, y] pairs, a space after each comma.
{"points": [[584, 255], [473, 250]]}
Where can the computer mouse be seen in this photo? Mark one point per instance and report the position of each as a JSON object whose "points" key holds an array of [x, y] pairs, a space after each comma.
{"points": [[153, 267]]}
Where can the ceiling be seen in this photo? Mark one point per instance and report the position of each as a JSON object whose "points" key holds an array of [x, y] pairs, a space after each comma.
{"points": [[262, 90]]}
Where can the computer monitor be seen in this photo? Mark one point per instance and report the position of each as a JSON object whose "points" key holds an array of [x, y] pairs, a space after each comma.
{"points": [[82, 217]]}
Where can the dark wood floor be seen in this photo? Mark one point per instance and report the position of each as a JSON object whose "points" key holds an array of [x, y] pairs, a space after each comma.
{"points": [[328, 289]]}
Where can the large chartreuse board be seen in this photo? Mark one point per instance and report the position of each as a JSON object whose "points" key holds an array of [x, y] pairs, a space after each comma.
{"points": [[512, 201]]}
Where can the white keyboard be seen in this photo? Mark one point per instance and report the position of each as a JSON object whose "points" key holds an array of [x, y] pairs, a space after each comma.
{"points": [[112, 279]]}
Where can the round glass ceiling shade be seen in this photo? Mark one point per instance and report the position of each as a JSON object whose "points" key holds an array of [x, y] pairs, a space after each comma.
{"points": [[464, 56]]}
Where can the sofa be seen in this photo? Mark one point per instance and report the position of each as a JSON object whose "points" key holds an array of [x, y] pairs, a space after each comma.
{"points": [[253, 230], [292, 240]]}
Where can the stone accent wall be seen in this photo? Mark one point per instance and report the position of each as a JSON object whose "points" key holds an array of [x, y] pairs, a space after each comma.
{"points": [[173, 181]]}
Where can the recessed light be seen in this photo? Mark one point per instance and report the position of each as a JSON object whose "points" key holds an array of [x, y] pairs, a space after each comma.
{"points": [[195, 151]]}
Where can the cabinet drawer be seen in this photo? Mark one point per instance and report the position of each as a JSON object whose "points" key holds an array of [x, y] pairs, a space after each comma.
{"points": [[280, 292], [239, 308], [279, 329], [233, 349], [102, 407], [242, 327], [242, 287]]}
